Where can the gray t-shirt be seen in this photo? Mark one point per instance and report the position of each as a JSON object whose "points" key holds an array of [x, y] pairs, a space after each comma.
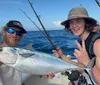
{"points": [[9, 76]]}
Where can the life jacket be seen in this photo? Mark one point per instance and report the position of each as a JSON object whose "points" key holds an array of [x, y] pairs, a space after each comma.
{"points": [[89, 42]]}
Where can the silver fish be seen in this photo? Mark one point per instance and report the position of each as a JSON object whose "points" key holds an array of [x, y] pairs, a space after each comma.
{"points": [[34, 62]]}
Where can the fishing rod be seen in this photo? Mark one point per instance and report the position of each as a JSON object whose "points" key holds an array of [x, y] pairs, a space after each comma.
{"points": [[48, 36], [98, 2], [33, 22], [46, 33]]}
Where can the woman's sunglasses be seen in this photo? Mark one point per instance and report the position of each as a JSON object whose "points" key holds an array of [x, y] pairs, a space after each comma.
{"points": [[12, 31]]}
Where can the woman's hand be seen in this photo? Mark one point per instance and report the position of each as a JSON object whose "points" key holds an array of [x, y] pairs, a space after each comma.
{"points": [[81, 53], [58, 52]]}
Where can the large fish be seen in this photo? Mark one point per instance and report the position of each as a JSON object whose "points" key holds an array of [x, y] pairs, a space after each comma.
{"points": [[33, 62]]}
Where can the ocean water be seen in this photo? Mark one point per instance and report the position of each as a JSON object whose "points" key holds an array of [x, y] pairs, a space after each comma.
{"points": [[61, 39]]}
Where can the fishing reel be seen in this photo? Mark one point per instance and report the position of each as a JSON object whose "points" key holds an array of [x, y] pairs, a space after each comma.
{"points": [[76, 76]]}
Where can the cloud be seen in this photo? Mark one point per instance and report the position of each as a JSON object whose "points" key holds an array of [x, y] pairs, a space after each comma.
{"points": [[99, 21], [57, 23], [11, 2]]}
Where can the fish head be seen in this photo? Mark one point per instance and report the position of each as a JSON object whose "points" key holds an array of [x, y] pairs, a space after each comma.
{"points": [[8, 55]]}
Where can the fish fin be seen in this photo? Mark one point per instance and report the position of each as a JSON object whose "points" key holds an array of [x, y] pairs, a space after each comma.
{"points": [[26, 55], [29, 47], [91, 63]]}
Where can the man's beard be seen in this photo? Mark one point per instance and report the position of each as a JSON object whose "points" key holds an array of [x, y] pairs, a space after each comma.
{"points": [[9, 43]]}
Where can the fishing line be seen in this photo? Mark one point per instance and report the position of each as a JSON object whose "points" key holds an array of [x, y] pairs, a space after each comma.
{"points": [[89, 76], [98, 2], [48, 36], [33, 22]]}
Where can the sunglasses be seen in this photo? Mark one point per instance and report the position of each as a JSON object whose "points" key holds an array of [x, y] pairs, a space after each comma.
{"points": [[12, 31]]}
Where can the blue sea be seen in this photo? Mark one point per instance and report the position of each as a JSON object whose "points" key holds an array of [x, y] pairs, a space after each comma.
{"points": [[61, 39]]}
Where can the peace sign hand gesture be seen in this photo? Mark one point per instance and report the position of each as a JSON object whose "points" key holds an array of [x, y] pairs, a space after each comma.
{"points": [[81, 53]]}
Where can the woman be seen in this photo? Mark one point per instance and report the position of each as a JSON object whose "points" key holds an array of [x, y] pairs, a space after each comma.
{"points": [[81, 25]]}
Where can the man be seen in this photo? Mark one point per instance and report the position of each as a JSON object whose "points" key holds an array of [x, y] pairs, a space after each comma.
{"points": [[12, 33]]}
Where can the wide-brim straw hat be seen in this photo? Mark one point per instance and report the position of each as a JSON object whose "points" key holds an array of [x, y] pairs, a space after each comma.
{"points": [[77, 12]]}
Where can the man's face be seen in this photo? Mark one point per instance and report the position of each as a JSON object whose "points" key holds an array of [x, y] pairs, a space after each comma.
{"points": [[77, 26], [13, 36]]}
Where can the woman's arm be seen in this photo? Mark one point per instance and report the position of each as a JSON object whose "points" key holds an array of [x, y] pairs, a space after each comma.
{"points": [[96, 73], [60, 54], [96, 68]]}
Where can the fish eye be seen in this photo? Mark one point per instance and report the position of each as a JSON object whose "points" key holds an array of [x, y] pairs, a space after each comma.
{"points": [[14, 49]]}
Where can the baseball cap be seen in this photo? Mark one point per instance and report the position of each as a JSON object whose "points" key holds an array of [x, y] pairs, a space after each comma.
{"points": [[17, 24]]}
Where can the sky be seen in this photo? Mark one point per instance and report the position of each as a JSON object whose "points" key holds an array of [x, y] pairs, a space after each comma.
{"points": [[51, 12]]}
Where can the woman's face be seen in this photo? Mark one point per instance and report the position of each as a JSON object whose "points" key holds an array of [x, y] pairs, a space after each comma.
{"points": [[77, 26]]}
